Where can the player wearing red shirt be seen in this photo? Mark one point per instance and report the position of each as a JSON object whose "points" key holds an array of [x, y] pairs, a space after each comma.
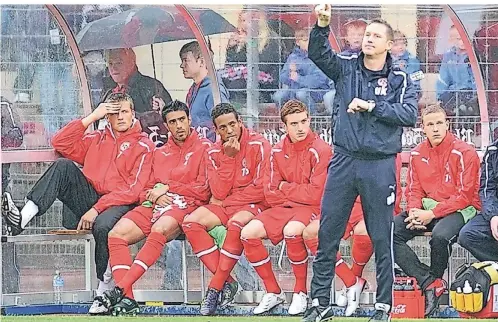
{"points": [[293, 187], [442, 195], [176, 187], [235, 167]]}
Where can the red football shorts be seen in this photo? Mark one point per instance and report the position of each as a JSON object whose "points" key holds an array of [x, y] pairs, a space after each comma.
{"points": [[225, 213], [275, 219], [142, 216]]}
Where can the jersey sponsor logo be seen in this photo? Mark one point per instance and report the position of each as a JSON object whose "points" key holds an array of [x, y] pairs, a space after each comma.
{"points": [[399, 309]]}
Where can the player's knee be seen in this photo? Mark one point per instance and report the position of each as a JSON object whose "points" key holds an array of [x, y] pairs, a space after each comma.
{"points": [[242, 217], [161, 229], [360, 229], [195, 216], [119, 230], [252, 230], [294, 228], [165, 226], [465, 238], [311, 231]]}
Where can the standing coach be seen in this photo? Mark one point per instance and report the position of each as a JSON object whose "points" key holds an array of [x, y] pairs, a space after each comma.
{"points": [[374, 101]]}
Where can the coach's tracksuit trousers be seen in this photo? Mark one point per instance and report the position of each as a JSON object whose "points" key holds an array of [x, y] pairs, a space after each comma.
{"points": [[375, 182], [63, 180]]}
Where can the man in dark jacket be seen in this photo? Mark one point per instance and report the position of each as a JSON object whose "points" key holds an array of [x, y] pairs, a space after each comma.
{"points": [[200, 98], [373, 103], [480, 235], [148, 94]]}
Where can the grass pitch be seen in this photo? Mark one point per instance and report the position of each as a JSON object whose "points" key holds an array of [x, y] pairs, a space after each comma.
{"points": [[86, 318]]}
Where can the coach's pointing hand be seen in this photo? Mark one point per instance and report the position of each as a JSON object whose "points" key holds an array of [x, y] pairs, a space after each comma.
{"points": [[323, 13]]}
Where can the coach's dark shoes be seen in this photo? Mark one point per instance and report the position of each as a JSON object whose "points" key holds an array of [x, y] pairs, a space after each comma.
{"points": [[113, 297], [126, 306], [381, 313], [318, 313], [433, 294], [210, 302], [12, 215]]}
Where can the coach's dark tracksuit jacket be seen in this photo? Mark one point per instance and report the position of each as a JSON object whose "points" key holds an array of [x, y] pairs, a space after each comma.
{"points": [[372, 135], [365, 146]]}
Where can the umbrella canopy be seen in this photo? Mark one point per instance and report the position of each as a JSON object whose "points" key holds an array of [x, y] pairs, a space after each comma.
{"points": [[148, 25]]}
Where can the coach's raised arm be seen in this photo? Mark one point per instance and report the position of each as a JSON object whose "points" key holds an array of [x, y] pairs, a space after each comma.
{"points": [[348, 72]]}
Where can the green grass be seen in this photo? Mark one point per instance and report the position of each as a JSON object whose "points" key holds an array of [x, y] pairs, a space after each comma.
{"points": [[78, 318]]}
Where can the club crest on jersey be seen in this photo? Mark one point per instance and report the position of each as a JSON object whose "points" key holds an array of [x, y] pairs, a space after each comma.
{"points": [[245, 170], [124, 146], [187, 157], [381, 90]]}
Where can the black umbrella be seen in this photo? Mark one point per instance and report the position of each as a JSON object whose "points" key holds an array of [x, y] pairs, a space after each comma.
{"points": [[148, 25]]}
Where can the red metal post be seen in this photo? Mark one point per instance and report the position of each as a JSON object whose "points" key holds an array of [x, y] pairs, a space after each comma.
{"points": [[476, 71], [17, 156], [75, 51]]}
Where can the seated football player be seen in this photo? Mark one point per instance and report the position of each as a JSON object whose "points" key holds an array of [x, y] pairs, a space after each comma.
{"points": [[176, 187], [293, 187], [235, 168]]}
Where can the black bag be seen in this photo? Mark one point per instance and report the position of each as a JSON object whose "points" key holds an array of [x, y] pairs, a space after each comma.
{"points": [[479, 277], [12, 135]]}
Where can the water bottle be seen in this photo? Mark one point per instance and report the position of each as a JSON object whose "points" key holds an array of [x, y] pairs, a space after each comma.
{"points": [[467, 289], [58, 284]]}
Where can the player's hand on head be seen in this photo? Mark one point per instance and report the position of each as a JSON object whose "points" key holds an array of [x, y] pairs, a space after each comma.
{"points": [[106, 108]]}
